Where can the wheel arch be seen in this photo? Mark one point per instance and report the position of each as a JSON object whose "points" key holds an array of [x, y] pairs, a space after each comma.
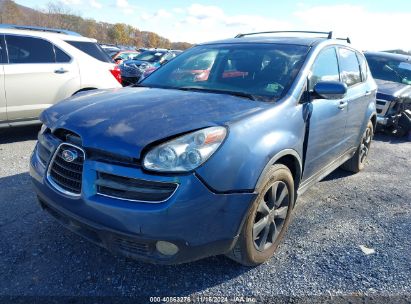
{"points": [[374, 121], [289, 158]]}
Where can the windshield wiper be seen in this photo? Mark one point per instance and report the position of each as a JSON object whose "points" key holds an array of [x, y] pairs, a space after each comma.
{"points": [[234, 93], [140, 85]]}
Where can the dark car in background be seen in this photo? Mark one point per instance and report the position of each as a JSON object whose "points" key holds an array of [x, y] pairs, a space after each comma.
{"points": [[392, 72], [176, 169], [124, 55], [132, 70]]}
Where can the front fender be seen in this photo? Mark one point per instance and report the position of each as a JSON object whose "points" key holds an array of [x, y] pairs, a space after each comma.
{"points": [[369, 114], [252, 146]]}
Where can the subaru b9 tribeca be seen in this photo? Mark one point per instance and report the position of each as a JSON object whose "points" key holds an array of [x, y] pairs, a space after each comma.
{"points": [[182, 167]]}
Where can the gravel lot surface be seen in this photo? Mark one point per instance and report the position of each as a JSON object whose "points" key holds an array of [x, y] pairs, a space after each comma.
{"points": [[320, 255]]}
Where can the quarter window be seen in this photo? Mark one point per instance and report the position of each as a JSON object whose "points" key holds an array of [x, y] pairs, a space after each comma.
{"points": [[325, 68], [29, 50], [92, 49], [61, 57], [350, 69]]}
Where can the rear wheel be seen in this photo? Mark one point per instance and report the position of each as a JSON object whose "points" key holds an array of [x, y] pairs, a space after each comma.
{"points": [[357, 162], [267, 219]]}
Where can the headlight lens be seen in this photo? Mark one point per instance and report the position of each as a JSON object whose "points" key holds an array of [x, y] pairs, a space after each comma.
{"points": [[185, 153], [43, 129]]}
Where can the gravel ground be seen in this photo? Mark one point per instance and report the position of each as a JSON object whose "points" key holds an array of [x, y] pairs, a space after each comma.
{"points": [[320, 256]]}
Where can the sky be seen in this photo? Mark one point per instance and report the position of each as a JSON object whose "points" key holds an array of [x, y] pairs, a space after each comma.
{"points": [[371, 25]]}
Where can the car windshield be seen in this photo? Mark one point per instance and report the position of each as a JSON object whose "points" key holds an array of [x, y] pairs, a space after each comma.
{"points": [[259, 71], [389, 69], [150, 56]]}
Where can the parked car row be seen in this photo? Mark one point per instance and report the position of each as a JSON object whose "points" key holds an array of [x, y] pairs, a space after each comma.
{"points": [[132, 70], [135, 64], [208, 154]]}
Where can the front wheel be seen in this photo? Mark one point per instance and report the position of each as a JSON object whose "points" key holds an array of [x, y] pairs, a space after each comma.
{"points": [[357, 162], [267, 219]]}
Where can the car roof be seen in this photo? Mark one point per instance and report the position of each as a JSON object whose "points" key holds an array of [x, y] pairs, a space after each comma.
{"points": [[298, 40], [45, 34], [389, 55]]}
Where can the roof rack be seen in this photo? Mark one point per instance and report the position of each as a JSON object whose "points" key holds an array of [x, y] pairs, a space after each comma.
{"points": [[346, 39], [38, 28], [329, 34]]}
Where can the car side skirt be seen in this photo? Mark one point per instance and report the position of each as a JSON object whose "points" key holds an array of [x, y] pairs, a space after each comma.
{"points": [[325, 171]]}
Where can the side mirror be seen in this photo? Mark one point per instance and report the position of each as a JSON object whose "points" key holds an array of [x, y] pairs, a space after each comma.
{"points": [[330, 89]]}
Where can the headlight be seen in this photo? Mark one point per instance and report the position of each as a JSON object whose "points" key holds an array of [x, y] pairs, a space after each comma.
{"points": [[144, 66], [185, 153], [43, 129]]}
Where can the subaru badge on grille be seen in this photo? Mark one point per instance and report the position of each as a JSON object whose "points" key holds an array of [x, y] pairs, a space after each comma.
{"points": [[69, 155]]}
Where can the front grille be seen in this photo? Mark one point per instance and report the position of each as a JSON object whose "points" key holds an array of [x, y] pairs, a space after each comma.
{"points": [[66, 175], [134, 189]]}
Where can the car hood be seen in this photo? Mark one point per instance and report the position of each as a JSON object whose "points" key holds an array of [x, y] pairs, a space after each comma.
{"points": [[124, 121], [389, 90]]}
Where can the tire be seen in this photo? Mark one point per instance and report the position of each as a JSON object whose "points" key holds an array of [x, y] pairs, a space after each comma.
{"points": [[357, 162], [267, 218]]}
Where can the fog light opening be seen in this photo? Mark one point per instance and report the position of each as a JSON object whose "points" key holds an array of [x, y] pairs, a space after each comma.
{"points": [[166, 248]]}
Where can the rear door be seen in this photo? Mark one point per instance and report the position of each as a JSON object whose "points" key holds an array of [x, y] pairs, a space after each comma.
{"points": [[37, 75], [3, 112], [358, 95], [326, 141]]}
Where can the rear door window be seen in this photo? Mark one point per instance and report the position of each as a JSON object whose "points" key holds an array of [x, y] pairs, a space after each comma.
{"points": [[23, 49], [363, 66], [92, 49], [325, 68], [349, 66]]}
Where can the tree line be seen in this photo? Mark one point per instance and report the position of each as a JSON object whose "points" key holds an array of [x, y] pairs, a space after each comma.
{"points": [[59, 16]]}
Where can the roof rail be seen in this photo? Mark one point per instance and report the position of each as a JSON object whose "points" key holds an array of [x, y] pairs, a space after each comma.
{"points": [[38, 28], [329, 34]]}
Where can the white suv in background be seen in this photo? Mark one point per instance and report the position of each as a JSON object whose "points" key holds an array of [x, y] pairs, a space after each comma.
{"points": [[41, 66]]}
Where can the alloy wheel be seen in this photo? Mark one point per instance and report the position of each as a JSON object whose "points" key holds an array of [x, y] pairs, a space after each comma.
{"points": [[365, 145], [270, 216]]}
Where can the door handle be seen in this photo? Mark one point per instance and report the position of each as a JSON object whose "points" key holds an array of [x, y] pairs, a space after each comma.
{"points": [[60, 71], [342, 105], [367, 93]]}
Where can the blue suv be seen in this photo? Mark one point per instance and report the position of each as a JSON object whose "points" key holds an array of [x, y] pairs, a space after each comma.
{"points": [[190, 164]]}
